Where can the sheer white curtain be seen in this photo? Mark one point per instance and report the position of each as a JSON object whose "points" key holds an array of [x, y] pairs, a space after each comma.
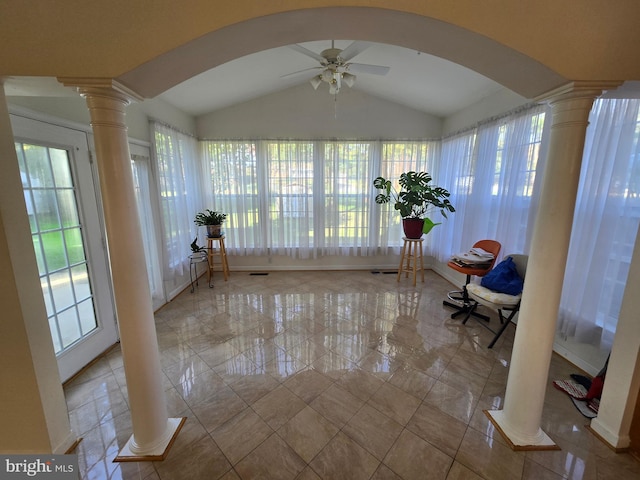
{"points": [[181, 197], [306, 199], [232, 183], [344, 207], [492, 173], [145, 188], [397, 158], [605, 224], [291, 178]]}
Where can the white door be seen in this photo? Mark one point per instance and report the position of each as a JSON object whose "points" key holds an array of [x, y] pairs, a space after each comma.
{"points": [[66, 228]]}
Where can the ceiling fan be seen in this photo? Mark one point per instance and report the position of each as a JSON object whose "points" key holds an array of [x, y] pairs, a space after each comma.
{"points": [[335, 68]]}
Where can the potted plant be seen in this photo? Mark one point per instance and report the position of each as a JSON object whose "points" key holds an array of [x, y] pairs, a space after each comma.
{"points": [[414, 200], [212, 220]]}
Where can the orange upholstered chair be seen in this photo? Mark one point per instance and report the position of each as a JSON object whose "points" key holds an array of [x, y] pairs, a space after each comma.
{"points": [[459, 299]]}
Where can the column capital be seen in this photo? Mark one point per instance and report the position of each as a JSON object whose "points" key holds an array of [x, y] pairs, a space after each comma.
{"points": [[106, 100], [574, 89], [102, 87]]}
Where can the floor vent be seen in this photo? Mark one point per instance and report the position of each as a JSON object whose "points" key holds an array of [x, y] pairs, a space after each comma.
{"points": [[375, 272], [259, 273]]}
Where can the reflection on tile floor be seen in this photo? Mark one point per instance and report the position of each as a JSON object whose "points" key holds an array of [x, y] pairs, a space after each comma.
{"points": [[331, 375]]}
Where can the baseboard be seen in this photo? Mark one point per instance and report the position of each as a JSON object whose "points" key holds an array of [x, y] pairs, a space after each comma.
{"points": [[617, 443], [577, 360], [67, 444]]}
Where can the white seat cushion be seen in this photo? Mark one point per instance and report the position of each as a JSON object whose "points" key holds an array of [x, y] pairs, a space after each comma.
{"points": [[484, 295]]}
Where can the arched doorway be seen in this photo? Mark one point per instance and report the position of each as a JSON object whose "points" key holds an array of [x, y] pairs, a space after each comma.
{"points": [[510, 68]]}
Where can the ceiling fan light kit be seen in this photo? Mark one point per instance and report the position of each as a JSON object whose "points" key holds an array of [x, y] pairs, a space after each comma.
{"points": [[349, 79], [315, 82], [328, 75], [334, 66]]}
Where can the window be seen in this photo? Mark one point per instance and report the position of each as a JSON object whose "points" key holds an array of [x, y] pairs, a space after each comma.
{"points": [[58, 242], [346, 181], [309, 198], [179, 177], [289, 196], [527, 148], [492, 170], [605, 224], [144, 188]]}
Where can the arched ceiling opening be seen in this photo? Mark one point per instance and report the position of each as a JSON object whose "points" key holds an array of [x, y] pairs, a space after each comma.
{"points": [[483, 55]]}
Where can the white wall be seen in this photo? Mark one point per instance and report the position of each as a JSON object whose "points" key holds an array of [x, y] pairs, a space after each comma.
{"points": [[493, 105], [74, 109], [302, 113]]}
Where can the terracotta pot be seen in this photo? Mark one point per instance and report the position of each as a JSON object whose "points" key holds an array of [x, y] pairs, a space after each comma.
{"points": [[214, 231], [412, 227]]}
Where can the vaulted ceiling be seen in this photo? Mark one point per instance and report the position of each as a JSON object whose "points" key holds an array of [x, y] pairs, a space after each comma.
{"points": [[415, 79]]}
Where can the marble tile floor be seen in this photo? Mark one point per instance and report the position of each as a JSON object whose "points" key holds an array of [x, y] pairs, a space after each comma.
{"points": [[330, 375]]}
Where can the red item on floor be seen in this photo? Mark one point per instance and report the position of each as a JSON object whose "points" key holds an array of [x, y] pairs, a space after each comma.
{"points": [[596, 388]]}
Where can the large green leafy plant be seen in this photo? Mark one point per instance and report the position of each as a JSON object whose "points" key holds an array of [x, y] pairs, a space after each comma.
{"points": [[417, 196]]}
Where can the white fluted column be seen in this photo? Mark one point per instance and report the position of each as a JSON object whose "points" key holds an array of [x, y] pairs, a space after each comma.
{"points": [[520, 419], [153, 432]]}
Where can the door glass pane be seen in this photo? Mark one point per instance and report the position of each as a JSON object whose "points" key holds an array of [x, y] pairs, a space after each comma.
{"points": [[38, 166], [69, 326], [46, 292], [42, 268], [58, 242], [54, 252], [87, 316], [74, 245], [61, 288], [45, 209], [53, 326], [23, 168], [60, 166], [28, 199], [81, 282], [68, 212]]}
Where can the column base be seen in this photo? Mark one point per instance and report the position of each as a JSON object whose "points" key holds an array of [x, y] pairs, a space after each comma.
{"points": [[619, 443], [517, 442], [158, 453]]}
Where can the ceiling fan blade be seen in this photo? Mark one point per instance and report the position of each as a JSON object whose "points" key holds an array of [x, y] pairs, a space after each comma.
{"points": [[354, 49], [299, 72], [365, 68], [308, 53]]}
